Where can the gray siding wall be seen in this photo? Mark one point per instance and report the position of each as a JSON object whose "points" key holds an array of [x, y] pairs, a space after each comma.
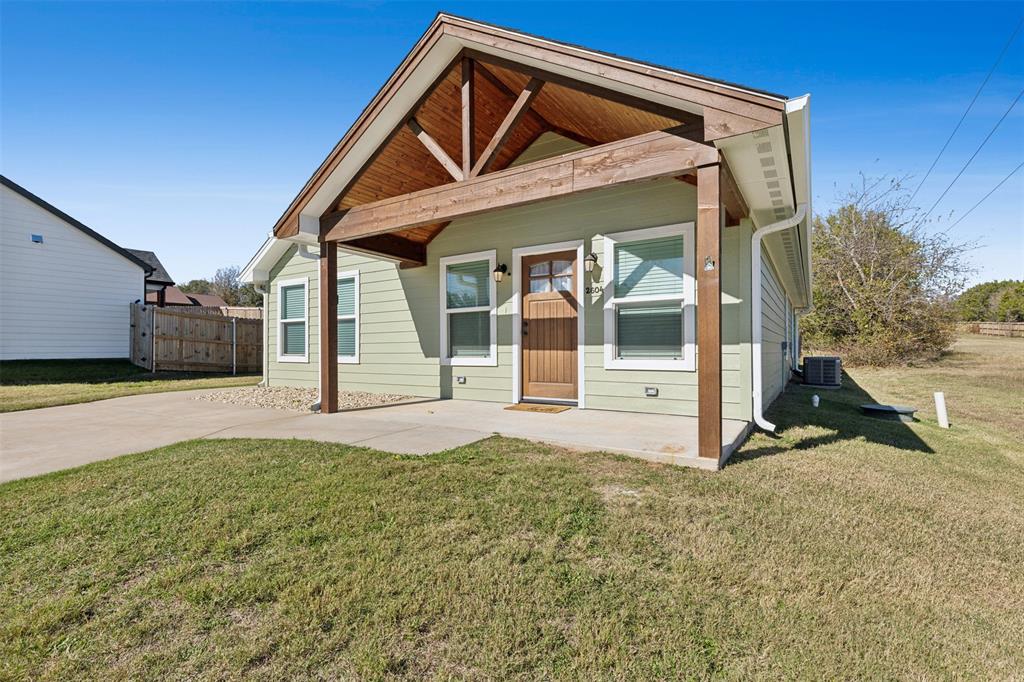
{"points": [[400, 309]]}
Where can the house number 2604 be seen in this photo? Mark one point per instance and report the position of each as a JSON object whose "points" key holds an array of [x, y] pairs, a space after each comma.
{"points": [[596, 289]]}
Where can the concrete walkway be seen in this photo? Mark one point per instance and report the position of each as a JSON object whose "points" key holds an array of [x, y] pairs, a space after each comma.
{"points": [[39, 441]]}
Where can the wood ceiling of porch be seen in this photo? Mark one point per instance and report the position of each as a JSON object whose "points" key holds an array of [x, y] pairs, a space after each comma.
{"points": [[404, 164]]}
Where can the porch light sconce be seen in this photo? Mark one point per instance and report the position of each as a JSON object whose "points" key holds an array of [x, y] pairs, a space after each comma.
{"points": [[499, 272], [590, 261]]}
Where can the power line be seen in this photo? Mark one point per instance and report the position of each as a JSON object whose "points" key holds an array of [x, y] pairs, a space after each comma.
{"points": [[999, 59], [994, 128], [990, 193]]}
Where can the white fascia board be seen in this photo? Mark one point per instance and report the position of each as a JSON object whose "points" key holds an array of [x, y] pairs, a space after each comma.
{"points": [[798, 123], [259, 266]]}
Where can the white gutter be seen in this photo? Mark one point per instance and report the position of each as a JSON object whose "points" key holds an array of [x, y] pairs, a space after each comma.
{"points": [[261, 288], [755, 308]]}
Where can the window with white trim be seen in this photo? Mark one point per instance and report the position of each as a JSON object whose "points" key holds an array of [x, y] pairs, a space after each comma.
{"points": [[650, 292], [348, 317], [293, 313], [468, 309]]}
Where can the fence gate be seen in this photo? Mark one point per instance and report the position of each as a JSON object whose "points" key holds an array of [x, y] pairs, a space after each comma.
{"points": [[187, 341]]}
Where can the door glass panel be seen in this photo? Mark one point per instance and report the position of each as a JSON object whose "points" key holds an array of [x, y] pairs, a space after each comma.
{"points": [[538, 269], [561, 267], [540, 286], [562, 283]]}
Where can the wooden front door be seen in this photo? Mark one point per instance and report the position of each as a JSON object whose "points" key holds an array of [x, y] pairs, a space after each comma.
{"points": [[549, 341]]}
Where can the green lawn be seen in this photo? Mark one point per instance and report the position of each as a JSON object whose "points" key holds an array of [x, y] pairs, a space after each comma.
{"points": [[28, 384], [842, 548]]}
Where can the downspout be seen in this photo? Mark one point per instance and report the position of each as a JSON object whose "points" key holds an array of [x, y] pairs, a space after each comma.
{"points": [[261, 288], [755, 308], [304, 252]]}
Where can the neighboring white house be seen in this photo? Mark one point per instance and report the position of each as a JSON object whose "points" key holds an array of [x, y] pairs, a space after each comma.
{"points": [[65, 289]]}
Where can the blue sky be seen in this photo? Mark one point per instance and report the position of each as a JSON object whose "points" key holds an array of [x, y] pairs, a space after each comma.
{"points": [[186, 128]]}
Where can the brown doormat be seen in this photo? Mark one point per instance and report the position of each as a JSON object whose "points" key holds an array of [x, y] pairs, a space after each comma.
{"points": [[532, 407]]}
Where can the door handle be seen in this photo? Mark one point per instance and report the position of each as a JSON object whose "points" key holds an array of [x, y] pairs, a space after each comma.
{"points": [[526, 327]]}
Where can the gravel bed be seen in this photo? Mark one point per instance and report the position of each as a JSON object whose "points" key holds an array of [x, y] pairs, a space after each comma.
{"points": [[297, 399]]}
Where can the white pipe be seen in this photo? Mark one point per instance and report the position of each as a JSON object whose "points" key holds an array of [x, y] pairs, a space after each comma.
{"points": [[755, 308], [261, 288]]}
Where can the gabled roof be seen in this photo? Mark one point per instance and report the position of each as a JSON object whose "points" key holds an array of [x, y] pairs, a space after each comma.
{"points": [[725, 108], [159, 275], [50, 208]]}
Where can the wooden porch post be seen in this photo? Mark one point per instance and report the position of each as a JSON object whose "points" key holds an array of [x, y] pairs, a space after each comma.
{"points": [[709, 312], [328, 297]]}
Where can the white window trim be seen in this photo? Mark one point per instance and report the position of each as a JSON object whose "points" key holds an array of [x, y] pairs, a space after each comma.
{"points": [[517, 315], [688, 300], [281, 284], [443, 263], [353, 275]]}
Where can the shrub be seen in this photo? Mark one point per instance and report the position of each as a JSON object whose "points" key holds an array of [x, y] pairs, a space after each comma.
{"points": [[884, 286]]}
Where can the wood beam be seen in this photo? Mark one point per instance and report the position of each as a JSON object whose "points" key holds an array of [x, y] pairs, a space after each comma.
{"points": [[587, 88], [380, 148], [328, 298], [709, 313], [511, 94], [700, 91], [435, 149], [512, 118], [735, 205], [644, 157], [468, 116], [406, 251]]}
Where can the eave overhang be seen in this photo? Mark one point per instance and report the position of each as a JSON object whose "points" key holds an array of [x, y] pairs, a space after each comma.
{"points": [[727, 110]]}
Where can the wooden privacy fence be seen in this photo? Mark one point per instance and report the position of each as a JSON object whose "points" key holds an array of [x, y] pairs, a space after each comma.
{"points": [[183, 340], [994, 328]]}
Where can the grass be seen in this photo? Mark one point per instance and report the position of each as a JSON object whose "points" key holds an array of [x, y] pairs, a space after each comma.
{"points": [[842, 547], [30, 384]]}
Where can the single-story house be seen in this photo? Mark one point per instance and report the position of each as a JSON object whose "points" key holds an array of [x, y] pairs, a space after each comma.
{"points": [[173, 296], [158, 280], [516, 219], [44, 255]]}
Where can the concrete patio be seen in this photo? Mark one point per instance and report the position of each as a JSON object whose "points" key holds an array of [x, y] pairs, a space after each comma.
{"points": [[50, 439]]}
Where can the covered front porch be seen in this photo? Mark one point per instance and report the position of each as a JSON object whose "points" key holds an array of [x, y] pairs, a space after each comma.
{"points": [[449, 142]]}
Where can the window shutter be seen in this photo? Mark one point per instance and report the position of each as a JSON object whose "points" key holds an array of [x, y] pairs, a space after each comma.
{"points": [[649, 331], [469, 284], [293, 303], [652, 267], [347, 296]]}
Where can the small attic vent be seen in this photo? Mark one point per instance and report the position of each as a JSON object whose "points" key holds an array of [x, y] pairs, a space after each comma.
{"points": [[823, 371]]}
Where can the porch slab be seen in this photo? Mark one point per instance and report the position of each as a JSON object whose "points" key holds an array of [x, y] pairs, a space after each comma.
{"points": [[50, 439], [436, 425]]}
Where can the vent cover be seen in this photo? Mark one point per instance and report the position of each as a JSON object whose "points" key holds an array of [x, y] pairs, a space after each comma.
{"points": [[823, 371]]}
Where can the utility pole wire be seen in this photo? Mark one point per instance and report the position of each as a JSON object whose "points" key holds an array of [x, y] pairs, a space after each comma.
{"points": [[994, 128], [949, 139], [990, 193]]}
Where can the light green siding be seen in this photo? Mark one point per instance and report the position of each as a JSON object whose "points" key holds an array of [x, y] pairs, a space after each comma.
{"points": [[400, 309]]}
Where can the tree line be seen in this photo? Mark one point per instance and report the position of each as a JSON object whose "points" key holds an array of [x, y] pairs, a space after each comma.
{"points": [[226, 284]]}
